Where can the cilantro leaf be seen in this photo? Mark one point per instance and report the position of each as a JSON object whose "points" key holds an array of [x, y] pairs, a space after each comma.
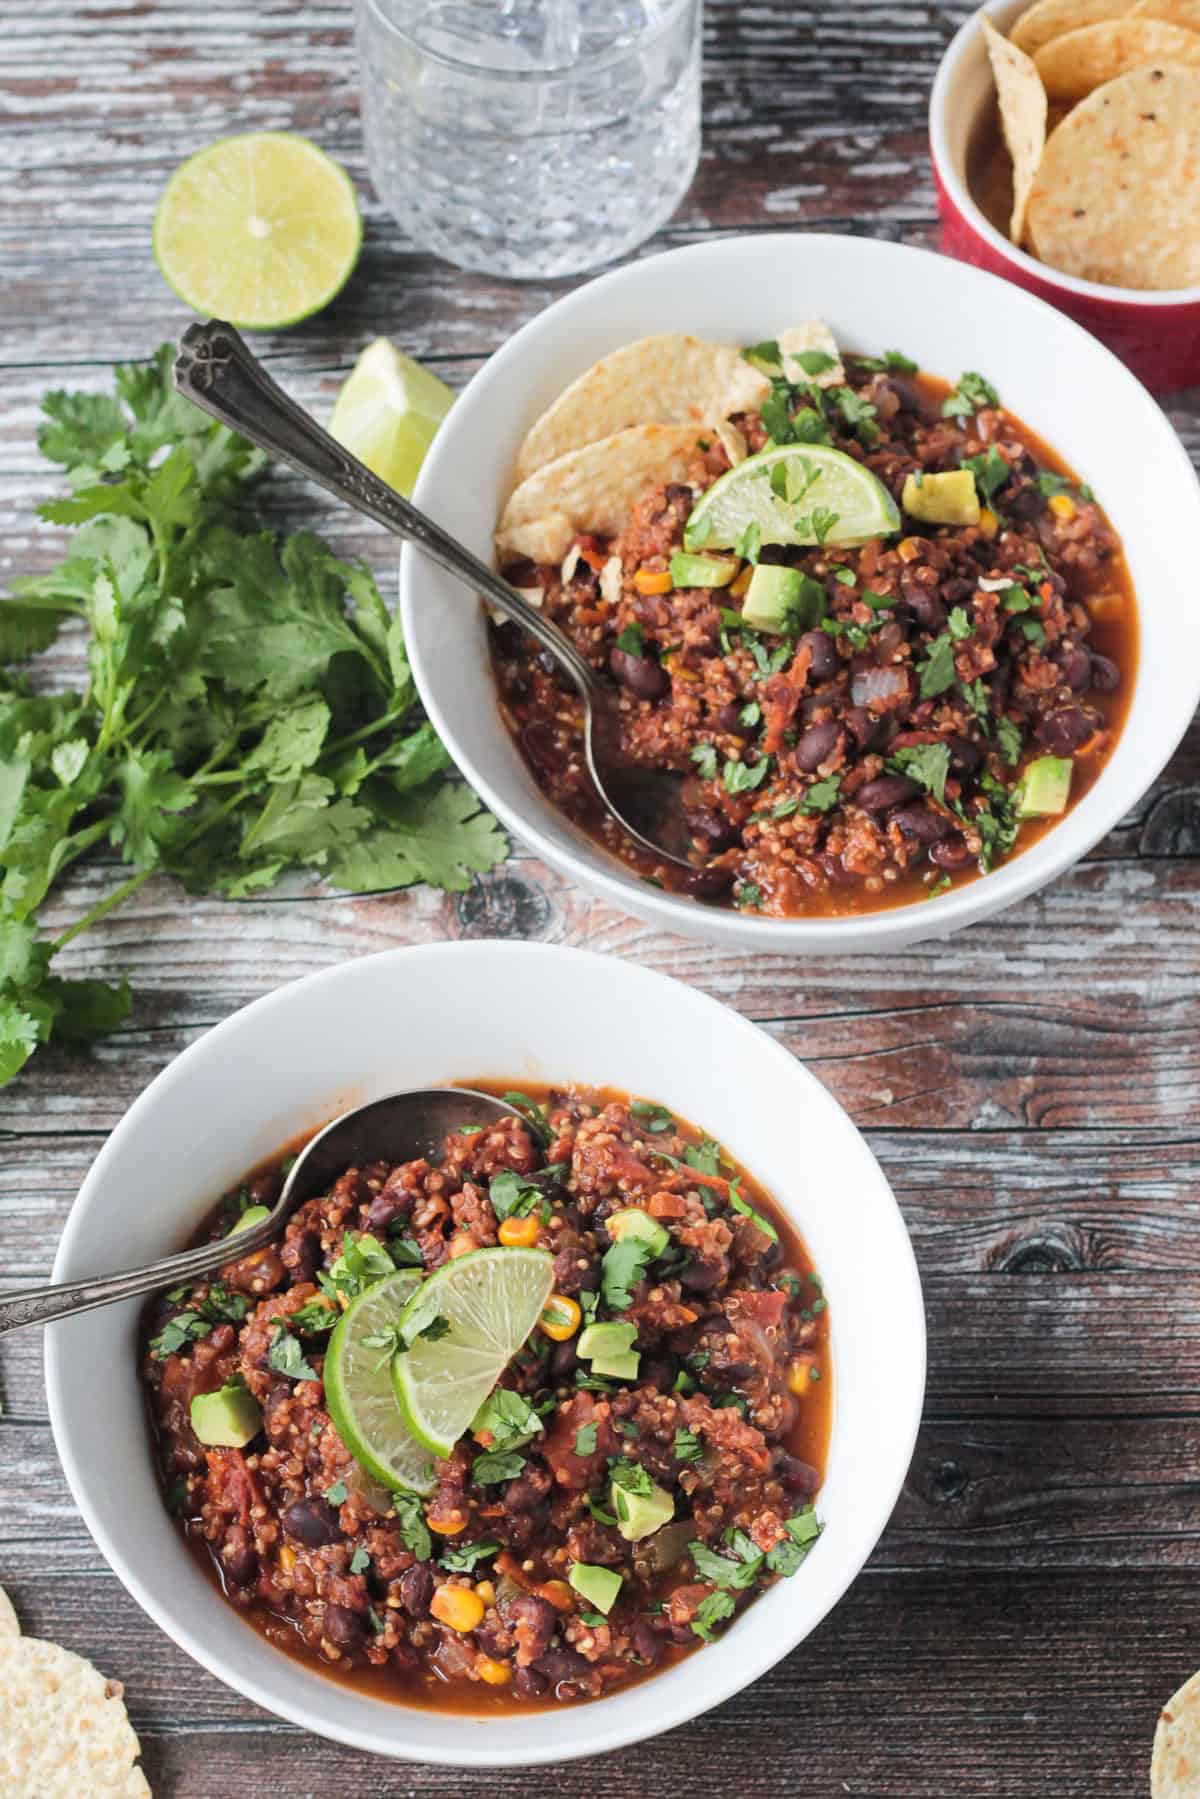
{"points": [[713, 1610], [937, 671], [465, 1558], [624, 1264], [286, 1357], [493, 1467], [969, 397], [926, 763]]}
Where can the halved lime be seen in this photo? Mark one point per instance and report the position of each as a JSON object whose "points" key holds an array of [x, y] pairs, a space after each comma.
{"points": [[795, 494], [388, 411], [487, 1302], [358, 1386], [259, 230]]}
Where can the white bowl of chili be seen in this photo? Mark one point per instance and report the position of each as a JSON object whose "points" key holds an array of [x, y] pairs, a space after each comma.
{"points": [[1068, 390], [502, 1011]]}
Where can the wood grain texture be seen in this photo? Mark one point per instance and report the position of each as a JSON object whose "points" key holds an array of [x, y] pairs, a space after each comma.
{"points": [[1031, 1088]]}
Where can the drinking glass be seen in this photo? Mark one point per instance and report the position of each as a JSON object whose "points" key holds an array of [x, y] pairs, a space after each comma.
{"points": [[530, 138]]}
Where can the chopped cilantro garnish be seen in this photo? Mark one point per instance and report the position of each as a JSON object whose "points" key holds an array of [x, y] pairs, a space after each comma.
{"points": [[740, 777], [411, 1518], [822, 796], [747, 1211], [969, 397], [653, 1117], [464, 1558], [338, 1493], [286, 1357], [749, 541], [937, 671], [713, 1610], [1011, 741], [631, 640], [363, 1261], [490, 1469], [533, 1115], [585, 1440], [687, 1446], [705, 758], [990, 470], [926, 763], [360, 1561], [750, 896]]}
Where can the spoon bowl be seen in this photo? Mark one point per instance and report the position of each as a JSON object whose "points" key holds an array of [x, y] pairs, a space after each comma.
{"points": [[217, 371], [396, 1128]]}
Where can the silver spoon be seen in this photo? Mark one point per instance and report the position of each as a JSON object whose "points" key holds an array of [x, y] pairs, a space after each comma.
{"points": [[392, 1130], [218, 373]]}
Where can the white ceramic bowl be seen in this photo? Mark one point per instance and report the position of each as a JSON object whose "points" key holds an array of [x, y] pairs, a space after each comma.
{"points": [[876, 296], [456, 1011]]}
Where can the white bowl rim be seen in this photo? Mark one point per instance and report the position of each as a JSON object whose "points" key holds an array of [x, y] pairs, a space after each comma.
{"points": [[594, 1736], [1016, 878], [945, 86]]}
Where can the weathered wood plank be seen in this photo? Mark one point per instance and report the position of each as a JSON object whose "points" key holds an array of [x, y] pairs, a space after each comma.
{"points": [[914, 1688]]}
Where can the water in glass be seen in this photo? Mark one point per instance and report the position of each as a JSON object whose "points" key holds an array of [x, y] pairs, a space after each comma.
{"points": [[530, 137]]}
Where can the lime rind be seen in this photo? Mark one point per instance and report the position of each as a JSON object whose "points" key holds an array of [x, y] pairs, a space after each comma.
{"points": [[818, 478], [359, 1391], [261, 229], [491, 1300]]}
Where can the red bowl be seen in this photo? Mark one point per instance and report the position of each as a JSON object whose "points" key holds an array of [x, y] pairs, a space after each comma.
{"points": [[1156, 333]]}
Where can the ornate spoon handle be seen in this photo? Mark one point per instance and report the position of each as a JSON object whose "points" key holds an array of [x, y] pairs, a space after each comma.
{"points": [[218, 372]]}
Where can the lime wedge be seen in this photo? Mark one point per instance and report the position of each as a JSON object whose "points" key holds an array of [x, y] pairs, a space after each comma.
{"points": [[260, 230], [387, 413], [483, 1305], [795, 494], [358, 1387]]}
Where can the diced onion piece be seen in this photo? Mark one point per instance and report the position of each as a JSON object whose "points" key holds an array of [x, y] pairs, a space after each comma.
{"points": [[731, 441], [570, 563], [877, 684], [532, 596], [610, 581]]}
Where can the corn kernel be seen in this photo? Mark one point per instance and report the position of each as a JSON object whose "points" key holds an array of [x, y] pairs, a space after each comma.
{"points": [[1062, 505], [909, 549], [738, 587], [799, 1375], [561, 1318], [287, 1558], [458, 1607], [447, 1527], [989, 524], [497, 1674], [519, 1233], [486, 1591], [461, 1244], [652, 580]]}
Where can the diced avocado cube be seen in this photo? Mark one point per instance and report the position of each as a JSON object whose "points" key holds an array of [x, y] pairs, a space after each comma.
{"points": [[641, 1514], [250, 1217], [1045, 787], [631, 1221], [701, 571], [227, 1419], [949, 499], [772, 597], [599, 1586], [609, 1348]]}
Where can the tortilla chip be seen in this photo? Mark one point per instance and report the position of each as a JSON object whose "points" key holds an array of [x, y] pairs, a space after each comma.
{"points": [[9, 1625], [1023, 111], [670, 379], [1048, 19], [1076, 65], [1175, 1765], [1117, 198], [592, 489], [65, 1733], [814, 334], [1175, 12]]}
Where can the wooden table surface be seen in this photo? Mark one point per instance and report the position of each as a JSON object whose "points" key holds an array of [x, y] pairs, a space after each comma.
{"points": [[1029, 1086]]}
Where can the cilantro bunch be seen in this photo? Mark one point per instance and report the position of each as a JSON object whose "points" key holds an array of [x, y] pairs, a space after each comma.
{"points": [[248, 710]]}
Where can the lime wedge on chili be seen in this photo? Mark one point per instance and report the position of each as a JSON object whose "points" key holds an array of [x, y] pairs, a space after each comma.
{"points": [[792, 494], [261, 230], [387, 413], [463, 1328], [358, 1386]]}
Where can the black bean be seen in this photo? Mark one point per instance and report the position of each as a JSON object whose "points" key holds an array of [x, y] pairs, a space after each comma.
{"points": [[825, 659], [729, 718], [676, 494], [797, 1476], [816, 745], [957, 591], [416, 1589], [241, 1565], [950, 854], [708, 883], [965, 756], [1076, 666], [1063, 731], [343, 1628], [718, 831], [923, 823], [525, 1493], [312, 1523], [564, 1667], [1106, 676], [563, 1362], [920, 596], [642, 677], [509, 638], [386, 1207], [647, 1643], [1025, 504], [528, 1683], [702, 1277], [885, 791]]}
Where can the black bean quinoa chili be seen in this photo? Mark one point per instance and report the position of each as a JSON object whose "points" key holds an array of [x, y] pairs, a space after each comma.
{"points": [[726, 1421], [1003, 641]]}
